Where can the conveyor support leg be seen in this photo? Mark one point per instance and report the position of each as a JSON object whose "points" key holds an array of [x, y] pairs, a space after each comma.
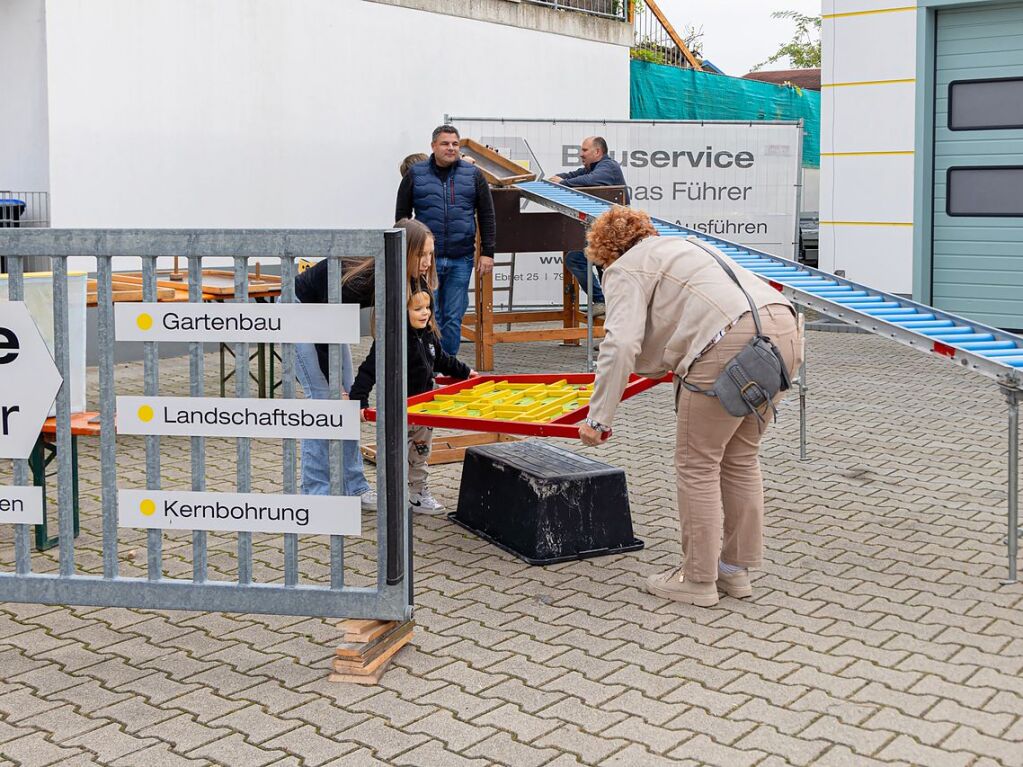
{"points": [[1013, 396], [802, 406]]}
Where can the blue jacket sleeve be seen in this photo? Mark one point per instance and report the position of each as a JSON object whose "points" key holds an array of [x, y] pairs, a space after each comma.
{"points": [[601, 175], [573, 173]]}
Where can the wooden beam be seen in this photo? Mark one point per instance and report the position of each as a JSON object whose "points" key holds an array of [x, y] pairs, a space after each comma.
{"points": [[554, 334]]}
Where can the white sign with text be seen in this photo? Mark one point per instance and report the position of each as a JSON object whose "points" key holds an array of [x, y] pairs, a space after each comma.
{"points": [[29, 381], [273, 323], [240, 512], [21, 505], [241, 417]]}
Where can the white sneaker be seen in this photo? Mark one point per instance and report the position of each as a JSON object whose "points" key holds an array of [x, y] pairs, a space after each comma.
{"points": [[425, 503], [599, 310], [369, 500]]}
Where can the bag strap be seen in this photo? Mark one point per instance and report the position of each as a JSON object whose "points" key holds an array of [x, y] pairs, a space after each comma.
{"points": [[730, 273]]}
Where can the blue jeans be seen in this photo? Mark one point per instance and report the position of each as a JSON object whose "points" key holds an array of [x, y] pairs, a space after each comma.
{"points": [[452, 300], [579, 266], [315, 452]]}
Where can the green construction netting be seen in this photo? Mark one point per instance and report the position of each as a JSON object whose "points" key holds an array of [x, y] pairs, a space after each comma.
{"points": [[661, 92]]}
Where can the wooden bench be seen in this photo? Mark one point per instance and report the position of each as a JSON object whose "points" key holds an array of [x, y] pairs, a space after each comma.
{"points": [[82, 425]]}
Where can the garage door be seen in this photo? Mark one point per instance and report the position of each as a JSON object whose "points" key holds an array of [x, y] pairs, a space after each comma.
{"points": [[978, 164]]}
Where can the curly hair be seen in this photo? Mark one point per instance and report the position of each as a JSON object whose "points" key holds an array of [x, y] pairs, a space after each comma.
{"points": [[614, 232]]}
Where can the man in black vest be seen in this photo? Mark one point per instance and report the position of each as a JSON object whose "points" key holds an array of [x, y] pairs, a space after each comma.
{"points": [[448, 195]]}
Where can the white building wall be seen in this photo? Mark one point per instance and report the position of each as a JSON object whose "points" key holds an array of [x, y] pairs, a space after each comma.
{"points": [[258, 113], [867, 136], [24, 162]]}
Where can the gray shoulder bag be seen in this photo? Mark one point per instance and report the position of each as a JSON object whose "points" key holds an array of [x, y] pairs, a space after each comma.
{"points": [[755, 375]]}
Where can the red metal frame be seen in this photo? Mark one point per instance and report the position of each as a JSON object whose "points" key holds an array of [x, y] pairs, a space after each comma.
{"points": [[562, 426]]}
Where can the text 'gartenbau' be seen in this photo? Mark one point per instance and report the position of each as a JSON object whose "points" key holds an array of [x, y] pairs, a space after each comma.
{"points": [[174, 321]]}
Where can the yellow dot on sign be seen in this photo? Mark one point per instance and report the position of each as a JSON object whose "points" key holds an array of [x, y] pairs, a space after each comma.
{"points": [[146, 413], [144, 321], [147, 507]]}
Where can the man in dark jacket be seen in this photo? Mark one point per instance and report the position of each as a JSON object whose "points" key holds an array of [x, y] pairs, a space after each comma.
{"points": [[448, 194], [597, 170]]}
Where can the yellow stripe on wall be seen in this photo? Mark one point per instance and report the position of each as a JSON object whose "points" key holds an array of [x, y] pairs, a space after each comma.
{"points": [[866, 223], [868, 13], [866, 154], [869, 82]]}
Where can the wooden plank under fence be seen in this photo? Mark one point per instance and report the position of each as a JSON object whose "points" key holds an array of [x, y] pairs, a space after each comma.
{"points": [[368, 649]]}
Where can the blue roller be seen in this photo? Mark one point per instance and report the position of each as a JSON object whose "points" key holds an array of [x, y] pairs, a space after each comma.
{"points": [[966, 337], [874, 306], [953, 331], [924, 324], [916, 317], [1000, 351], [887, 314], [858, 301]]}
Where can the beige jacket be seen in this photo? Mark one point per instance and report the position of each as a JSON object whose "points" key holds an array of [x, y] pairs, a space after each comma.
{"points": [[667, 298]]}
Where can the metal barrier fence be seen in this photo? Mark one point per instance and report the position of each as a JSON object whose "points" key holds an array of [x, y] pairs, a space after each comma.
{"points": [[24, 209], [655, 39], [20, 210], [391, 596], [615, 9]]}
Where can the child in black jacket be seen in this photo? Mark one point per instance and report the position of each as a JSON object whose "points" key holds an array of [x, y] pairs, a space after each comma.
{"points": [[424, 356]]}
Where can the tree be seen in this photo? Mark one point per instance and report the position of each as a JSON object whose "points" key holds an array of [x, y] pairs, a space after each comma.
{"points": [[692, 38], [804, 50]]}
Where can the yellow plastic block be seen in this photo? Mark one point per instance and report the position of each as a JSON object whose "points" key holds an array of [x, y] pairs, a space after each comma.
{"points": [[542, 414], [507, 413]]}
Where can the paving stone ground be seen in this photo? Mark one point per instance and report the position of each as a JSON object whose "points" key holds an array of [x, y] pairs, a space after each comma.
{"points": [[878, 633]]}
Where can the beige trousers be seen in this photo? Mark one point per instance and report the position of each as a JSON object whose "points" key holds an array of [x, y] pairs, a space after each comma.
{"points": [[720, 488], [420, 442]]}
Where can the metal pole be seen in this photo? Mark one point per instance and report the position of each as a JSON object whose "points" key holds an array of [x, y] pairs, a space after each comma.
{"points": [[799, 189], [289, 448], [151, 388], [22, 533], [243, 466], [196, 388], [1012, 396], [589, 318], [107, 405], [62, 357], [802, 397], [391, 358], [335, 453]]}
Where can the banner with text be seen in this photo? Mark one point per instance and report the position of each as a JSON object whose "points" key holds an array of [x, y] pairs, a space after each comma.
{"points": [[736, 181]]}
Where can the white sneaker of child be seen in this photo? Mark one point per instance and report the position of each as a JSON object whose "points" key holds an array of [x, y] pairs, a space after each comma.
{"points": [[425, 503]]}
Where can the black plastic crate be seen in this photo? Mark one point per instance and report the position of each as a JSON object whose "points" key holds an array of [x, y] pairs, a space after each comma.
{"points": [[544, 504]]}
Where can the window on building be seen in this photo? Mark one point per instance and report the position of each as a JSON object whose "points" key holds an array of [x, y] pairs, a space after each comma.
{"points": [[985, 104], [984, 191]]}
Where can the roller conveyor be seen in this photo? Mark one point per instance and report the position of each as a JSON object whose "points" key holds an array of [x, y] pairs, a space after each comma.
{"points": [[989, 351]]}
